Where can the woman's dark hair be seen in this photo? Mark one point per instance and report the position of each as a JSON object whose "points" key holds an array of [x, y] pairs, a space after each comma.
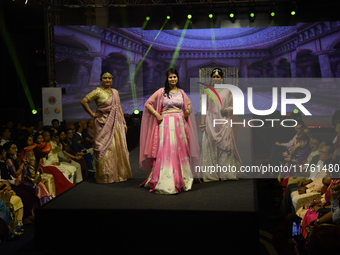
{"points": [[304, 137], [7, 146], [105, 73], [54, 134], [35, 137], [24, 132], [23, 142], [166, 83], [218, 70], [55, 120], [76, 126], [61, 131], [2, 148]]}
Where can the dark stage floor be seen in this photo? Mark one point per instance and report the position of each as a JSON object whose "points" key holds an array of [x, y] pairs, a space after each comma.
{"points": [[126, 219], [232, 196]]}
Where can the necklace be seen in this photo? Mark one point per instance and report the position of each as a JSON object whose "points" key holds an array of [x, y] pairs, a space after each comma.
{"points": [[107, 91], [173, 93]]}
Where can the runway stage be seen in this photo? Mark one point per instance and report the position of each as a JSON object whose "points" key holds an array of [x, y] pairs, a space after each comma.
{"points": [[121, 218]]}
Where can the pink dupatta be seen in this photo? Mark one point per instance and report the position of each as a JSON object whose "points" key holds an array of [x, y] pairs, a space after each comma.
{"points": [[105, 125], [149, 134]]}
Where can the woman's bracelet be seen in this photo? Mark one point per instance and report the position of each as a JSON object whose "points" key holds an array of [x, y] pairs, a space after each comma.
{"points": [[93, 114], [154, 112], [203, 125]]}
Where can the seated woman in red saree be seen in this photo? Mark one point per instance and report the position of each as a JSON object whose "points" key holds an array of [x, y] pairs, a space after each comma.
{"points": [[61, 183]]}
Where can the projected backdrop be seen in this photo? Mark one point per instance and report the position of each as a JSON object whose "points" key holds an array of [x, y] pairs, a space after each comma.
{"points": [[139, 59]]}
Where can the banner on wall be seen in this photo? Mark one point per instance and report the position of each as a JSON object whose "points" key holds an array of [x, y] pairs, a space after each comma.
{"points": [[52, 105]]}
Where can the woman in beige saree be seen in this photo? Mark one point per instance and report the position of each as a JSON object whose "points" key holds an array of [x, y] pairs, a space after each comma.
{"points": [[109, 149], [219, 147]]}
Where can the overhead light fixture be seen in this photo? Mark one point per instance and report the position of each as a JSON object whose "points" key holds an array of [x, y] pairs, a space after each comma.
{"points": [[251, 13], [168, 13], [293, 9], [272, 11], [190, 13], [231, 13], [136, 117], [148, 14], [210, 12]]}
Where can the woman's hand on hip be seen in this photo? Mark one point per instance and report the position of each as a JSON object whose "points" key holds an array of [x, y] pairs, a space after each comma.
{"points": [[159, 118]]}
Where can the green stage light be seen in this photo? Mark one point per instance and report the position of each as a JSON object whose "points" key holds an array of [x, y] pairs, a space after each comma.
{"points": [[211, 15], [292, 13], [179, 45], [272, 14], [296, 111], [252, 15], [189, 16], [136, 111], [147, 18], [168, 17], [34, 111], [231, 15]]}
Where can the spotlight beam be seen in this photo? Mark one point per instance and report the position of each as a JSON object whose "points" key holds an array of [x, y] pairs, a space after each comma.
{"points": [[16, 62], [179, 45], [147, 52]]}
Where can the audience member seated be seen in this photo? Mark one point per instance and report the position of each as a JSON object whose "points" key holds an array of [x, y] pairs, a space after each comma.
{"points": [[55, 125], [314, 188], [316, 208], [46, 178], [335, 191], [16, 203], [9, 227], [300, 177], [5, 135], [29, 128], [73, 169], [61, 182], [26, 193], [88, 133], [71, 152], [72, 128], [316, 183], [38, 127], [279, 148], [296, 159], [337, 138], [26, 140], [78, 143], [27, 171]]}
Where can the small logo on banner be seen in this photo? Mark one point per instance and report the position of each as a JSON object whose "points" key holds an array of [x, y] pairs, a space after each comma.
{"points": [[52, 100], [57, 110], [46, 111]]}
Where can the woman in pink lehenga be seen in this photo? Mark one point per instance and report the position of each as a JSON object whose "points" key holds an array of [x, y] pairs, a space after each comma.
{"points": [[168, 139], [109, 149]]}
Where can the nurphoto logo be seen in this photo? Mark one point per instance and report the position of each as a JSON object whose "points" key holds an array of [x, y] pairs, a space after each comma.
{"points": [[238, 104]]}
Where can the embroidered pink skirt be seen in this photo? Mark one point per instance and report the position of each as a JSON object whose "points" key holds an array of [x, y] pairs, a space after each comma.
{"points": [[171, 171]]}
